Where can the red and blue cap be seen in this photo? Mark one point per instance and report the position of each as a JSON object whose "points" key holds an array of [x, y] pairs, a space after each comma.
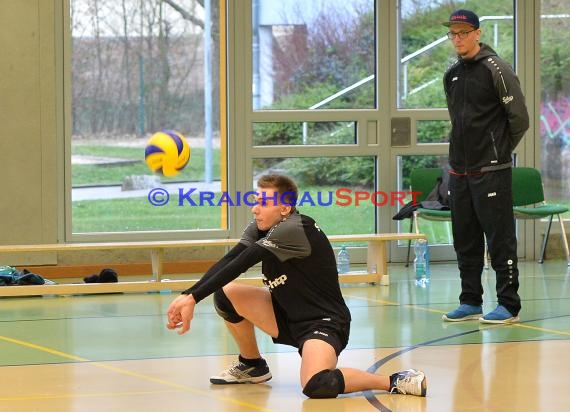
{"points": [[463, 16]]}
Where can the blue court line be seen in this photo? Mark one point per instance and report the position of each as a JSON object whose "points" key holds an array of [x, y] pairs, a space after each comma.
{"points": [[373, 400]]}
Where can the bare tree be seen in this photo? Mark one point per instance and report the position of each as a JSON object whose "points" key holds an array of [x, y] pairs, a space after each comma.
{"points": [[137, 66], [185, 14]]}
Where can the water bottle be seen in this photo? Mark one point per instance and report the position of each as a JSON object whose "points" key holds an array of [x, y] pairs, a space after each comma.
{"points": [[343, 261], [421, 262]]}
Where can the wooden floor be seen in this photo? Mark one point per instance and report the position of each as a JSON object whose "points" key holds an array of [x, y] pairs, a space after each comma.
{"points": [[113, 352]]}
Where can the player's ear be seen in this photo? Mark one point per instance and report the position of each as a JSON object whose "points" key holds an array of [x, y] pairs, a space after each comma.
{"points": [[286, 210]]}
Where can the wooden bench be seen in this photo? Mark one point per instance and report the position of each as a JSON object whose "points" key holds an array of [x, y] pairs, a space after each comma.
{"points": [[377, 264]]}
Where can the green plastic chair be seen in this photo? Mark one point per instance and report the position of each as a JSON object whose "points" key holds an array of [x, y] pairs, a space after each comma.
{"points": [[424, 180], [529, 203]]}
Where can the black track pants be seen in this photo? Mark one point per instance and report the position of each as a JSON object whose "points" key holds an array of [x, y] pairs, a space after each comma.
{"points": [[481, 205]]}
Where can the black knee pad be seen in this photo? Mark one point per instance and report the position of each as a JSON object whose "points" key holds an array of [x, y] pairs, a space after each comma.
{"points": [[325, 384], [225, 308]]}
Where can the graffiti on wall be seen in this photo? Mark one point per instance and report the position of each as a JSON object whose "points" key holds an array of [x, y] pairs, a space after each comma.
{"points": [[555, 145], [555, 120]]}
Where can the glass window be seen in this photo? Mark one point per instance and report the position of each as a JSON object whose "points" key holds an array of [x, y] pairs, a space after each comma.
{"points": [[332, 190], [555, 101], [425, 51], [313, 54], [438, 233], [139, 67], [306, 133], [433, 131]]}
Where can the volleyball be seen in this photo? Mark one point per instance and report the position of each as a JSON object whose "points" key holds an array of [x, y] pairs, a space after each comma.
{"points": [[167, 152]]}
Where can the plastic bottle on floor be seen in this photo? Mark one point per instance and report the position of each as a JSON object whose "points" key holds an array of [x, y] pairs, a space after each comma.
{"points": [[421, 263], [343, 260]]}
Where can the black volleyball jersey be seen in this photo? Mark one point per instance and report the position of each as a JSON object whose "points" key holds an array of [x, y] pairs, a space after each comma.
{"points": [[301, 271]]}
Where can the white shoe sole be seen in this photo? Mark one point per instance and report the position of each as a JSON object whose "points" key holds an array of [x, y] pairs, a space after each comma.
{"points": [[217, 380], [468, 317], [514, 319]]}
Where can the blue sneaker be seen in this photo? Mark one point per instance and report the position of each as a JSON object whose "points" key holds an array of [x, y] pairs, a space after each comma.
{"points": [[463, 312], [499, 315]]}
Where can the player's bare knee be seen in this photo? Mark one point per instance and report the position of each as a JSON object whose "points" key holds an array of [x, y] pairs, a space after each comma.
{"points": [[225, 308], [325, 384]]}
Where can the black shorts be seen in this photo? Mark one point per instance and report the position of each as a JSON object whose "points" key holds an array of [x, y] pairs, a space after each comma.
{"points": [[297, 333]]}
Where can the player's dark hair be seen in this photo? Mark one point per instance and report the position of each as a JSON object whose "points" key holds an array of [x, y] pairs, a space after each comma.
{"points": [[286, 187]]}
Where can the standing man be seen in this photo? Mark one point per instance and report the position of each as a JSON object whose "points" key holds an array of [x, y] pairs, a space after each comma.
{"points": [[488, 118], [301, 306]]}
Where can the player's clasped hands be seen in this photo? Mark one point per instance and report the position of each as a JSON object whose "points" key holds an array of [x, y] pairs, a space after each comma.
{"points": [[180, 313]]}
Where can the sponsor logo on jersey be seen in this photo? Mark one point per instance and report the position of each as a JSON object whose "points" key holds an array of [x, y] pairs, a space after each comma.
{"points": [[272, 284], [508, 99], [269, 243]]}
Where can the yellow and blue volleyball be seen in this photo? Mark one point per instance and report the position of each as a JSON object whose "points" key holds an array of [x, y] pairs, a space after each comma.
{"points": [[167, 152]]}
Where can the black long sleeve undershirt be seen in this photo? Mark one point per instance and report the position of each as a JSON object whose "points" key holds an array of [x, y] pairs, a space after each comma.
{"points": [[237, 261], [227, 258]]}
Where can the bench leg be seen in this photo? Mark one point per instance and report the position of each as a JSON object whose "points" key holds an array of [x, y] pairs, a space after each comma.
{"points": [[378, 259], [156, 262]]}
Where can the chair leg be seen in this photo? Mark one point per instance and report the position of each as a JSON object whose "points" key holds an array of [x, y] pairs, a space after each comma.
{"points": [[410, 242], [564, 240], [545, 241], [413, 223]]}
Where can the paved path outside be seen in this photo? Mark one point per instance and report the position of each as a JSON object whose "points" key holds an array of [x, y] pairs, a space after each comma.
{"points": [[115, 192]]}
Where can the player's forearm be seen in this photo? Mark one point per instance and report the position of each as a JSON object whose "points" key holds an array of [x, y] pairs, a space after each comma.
{"points": [[240, 264], [228, 257]]}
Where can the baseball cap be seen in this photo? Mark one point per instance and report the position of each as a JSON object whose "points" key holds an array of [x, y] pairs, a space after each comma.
{"points": [[463, 16]]}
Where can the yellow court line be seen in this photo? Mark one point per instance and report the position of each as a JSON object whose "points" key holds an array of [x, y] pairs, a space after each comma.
{"points": [[85, 395], [130, 373], [43, 349], [520, 325], [557, 332], [390, 303]]}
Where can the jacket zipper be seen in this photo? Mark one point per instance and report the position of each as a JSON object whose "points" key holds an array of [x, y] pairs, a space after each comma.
{"points": [[464, 76], [494, 146]]}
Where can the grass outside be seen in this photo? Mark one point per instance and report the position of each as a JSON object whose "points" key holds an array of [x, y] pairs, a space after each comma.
{"points": [[113, 174], [137, 214]]}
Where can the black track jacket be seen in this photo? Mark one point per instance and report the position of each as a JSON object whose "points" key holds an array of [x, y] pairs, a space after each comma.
{"points": [[488, 112]]}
